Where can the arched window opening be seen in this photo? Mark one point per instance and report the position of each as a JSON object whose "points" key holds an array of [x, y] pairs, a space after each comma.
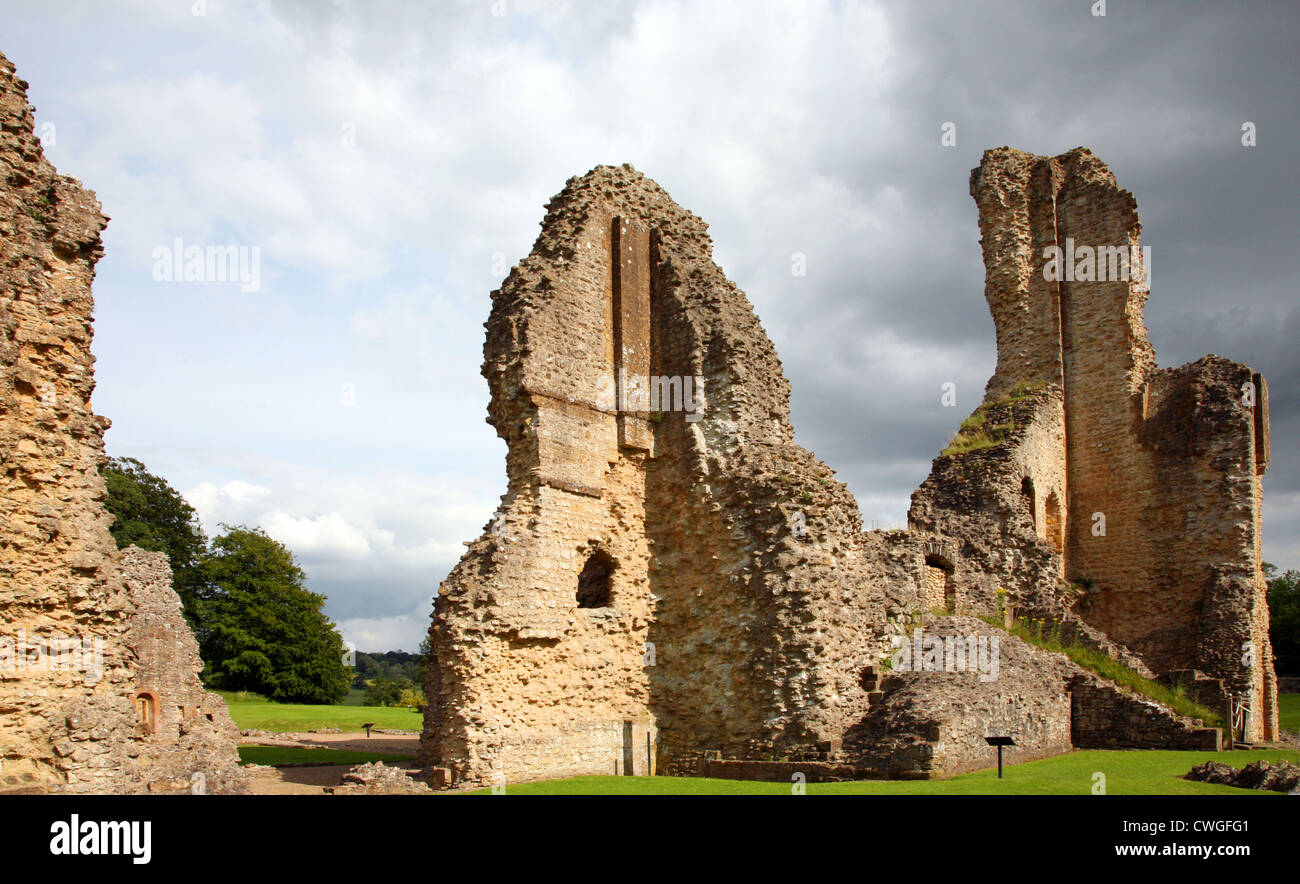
{"points": [[146, 710], [593, 582], [1055, 525], [940, 590]]}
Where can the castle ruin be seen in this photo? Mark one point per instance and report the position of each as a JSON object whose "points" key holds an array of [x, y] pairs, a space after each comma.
{"points": [[672, 585]]}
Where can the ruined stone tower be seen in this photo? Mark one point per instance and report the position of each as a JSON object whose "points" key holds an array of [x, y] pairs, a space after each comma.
{"points": [[668, 571], [91, 699], [1141, 484]]}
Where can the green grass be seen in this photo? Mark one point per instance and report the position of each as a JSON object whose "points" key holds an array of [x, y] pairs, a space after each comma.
{"points": [[1108, 667], [976, 433], [1127, 773], [273, 755], [252, 711], [1289, 711]]}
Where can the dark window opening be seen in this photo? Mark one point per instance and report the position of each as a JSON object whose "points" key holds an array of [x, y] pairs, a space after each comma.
{"points": [[1027, 493], [593, 582]]}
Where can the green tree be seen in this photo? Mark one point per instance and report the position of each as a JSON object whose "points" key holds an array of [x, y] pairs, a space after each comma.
{"points": [[152, 515], [261, 629], [1284, 618], [386, 691]]}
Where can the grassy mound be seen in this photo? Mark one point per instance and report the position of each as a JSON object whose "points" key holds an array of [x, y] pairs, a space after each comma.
{"points": [[1044, 636], [981, 430]]}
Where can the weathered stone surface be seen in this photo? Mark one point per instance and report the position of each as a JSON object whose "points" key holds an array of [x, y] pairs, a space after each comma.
{"points": [[1281, 776], [378, 779], [678, 588], [934, 723], [1140, 484], [193, 739], [742, 607], [69, 673]]}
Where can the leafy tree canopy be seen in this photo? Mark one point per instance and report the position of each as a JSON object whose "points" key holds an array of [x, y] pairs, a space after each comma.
{"points": [[1284, 618], [261, 629]]}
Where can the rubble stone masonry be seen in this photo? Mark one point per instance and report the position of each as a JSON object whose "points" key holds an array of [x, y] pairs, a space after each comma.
{"points": [[673, 585], [1143, 482], [741, 607], [69, 673]]}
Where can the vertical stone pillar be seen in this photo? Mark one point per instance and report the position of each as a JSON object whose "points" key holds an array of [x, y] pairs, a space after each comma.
{"points": [[630, 245]]}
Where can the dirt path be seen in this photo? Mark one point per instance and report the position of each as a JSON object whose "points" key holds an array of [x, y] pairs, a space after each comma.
{"points": [[314, 779]]}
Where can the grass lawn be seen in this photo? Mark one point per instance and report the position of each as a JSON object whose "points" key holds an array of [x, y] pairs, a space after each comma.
{"points": [[252, 711], [273, 755], [1127, 773], [1289, 711], [354, 697]]}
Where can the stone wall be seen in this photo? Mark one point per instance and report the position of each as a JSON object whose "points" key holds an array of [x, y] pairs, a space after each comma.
{"points": [[744, 599], [58, 574], [1143, 484], [68, 672], [933, 721], [681, 569], [988, 507], [1106, 716], [188, 738]]}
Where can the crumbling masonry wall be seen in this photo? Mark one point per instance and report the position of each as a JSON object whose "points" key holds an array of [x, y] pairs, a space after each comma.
{"points": [[742, 606], [1153, 474], [68, 671], [188, 735], [672, 585]]}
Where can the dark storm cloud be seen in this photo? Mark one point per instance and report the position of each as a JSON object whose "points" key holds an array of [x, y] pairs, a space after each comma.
{"points": [[1160, 92]]}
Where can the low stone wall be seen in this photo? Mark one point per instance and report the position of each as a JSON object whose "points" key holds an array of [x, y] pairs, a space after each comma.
{"points": [[780, 771], [1106, 716], [596, 748]]}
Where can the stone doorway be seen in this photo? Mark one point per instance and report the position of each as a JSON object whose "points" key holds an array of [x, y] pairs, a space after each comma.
{"points": [[940, 590]]}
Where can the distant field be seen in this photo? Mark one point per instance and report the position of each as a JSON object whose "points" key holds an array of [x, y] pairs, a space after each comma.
{"points": [[273, 755], [1127, 773], [252, 711], [1289, 711]]}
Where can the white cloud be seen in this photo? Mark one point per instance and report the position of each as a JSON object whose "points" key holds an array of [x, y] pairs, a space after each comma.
{"points": [[404, 632], [323, 537]]}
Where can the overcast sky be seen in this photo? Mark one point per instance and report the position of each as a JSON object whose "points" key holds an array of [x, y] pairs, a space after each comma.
{"points": [[389, 160]]}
